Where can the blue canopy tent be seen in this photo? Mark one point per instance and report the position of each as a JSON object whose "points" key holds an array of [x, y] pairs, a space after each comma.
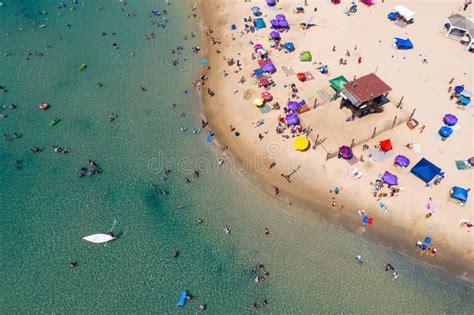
{"points": [[460, 193], [425, 170], [259, 23], [401, 43]]}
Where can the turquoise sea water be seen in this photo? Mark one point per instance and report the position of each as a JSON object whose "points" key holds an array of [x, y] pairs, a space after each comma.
{"points": [[45, 208]]}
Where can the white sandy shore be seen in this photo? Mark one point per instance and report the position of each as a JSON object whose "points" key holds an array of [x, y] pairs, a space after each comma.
{"points": [[423, 86]]}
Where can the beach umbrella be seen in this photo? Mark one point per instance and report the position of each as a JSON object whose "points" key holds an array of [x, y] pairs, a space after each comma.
{"points": [[275, 35], [266, 96], [390, 178], [274, 23], [427, 240], [450, 119], [402, 160], [269, 67], [345, 152], [386, 145], [458, 89], [255, 9], [283, 24], [445, 131], [301, 76], [305, 56], [289, 46], [293, 106], [271, 3], [258, 46], [471, 161], [301, 143], [258, 102], [292, 119], [264, 82], [464, 100], [280, 17]]}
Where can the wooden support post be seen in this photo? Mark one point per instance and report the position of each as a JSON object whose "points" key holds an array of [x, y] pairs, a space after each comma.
{"points": [[394, 121], [400, 103], [412, 113], [373, 134], [315, 103], [316, 142]]}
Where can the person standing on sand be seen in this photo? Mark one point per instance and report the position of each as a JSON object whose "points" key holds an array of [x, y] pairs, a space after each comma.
{"points": [[359, 60]]}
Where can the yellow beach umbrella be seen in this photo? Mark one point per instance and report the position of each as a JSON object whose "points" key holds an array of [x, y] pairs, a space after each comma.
{"points": [[258, 102], [301, 143]]}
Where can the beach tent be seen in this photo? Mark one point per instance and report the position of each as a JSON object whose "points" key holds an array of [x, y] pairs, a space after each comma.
{"points": [[306, 56], [460, 193], [450, 119], [259, 23], [255, 9], [301, 143], [445, 131], [368, 2], [386, 145], [337, 83], [390, 178], [292, 119], [401, 43], [404, 12], [290, 46], [293, 106], [425, 170], [402, 161]]}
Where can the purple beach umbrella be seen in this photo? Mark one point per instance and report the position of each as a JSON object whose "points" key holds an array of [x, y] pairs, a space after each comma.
{"points": [[292, 119], [271, 3], [450, 119], [280, 17], [283, 24], [274, 23], [390, 178], [269, 67], [293, 106], [402, 160], [275, 35]]}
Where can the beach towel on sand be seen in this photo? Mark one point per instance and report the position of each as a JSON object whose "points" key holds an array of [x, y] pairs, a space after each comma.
{"points": [[463, 165], [265, 109]]}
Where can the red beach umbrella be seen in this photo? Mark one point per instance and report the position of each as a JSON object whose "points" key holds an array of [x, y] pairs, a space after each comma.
{"points": [[267, 96], [301, 76]]}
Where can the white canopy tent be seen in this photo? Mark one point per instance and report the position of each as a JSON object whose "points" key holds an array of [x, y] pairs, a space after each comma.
{"points": [[406, 13]]}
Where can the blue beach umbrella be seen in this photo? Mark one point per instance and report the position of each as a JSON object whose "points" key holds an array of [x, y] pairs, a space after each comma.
{"points": [[255, 9], [427, 240], [458, 89], [289, 46], [445, 131]]}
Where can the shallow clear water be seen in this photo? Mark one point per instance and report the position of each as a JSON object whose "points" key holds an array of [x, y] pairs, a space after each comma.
{"points": [[45, 208]]}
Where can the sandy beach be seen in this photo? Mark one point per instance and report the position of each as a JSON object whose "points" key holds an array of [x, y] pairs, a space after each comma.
{"points": [[420, 77]]}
